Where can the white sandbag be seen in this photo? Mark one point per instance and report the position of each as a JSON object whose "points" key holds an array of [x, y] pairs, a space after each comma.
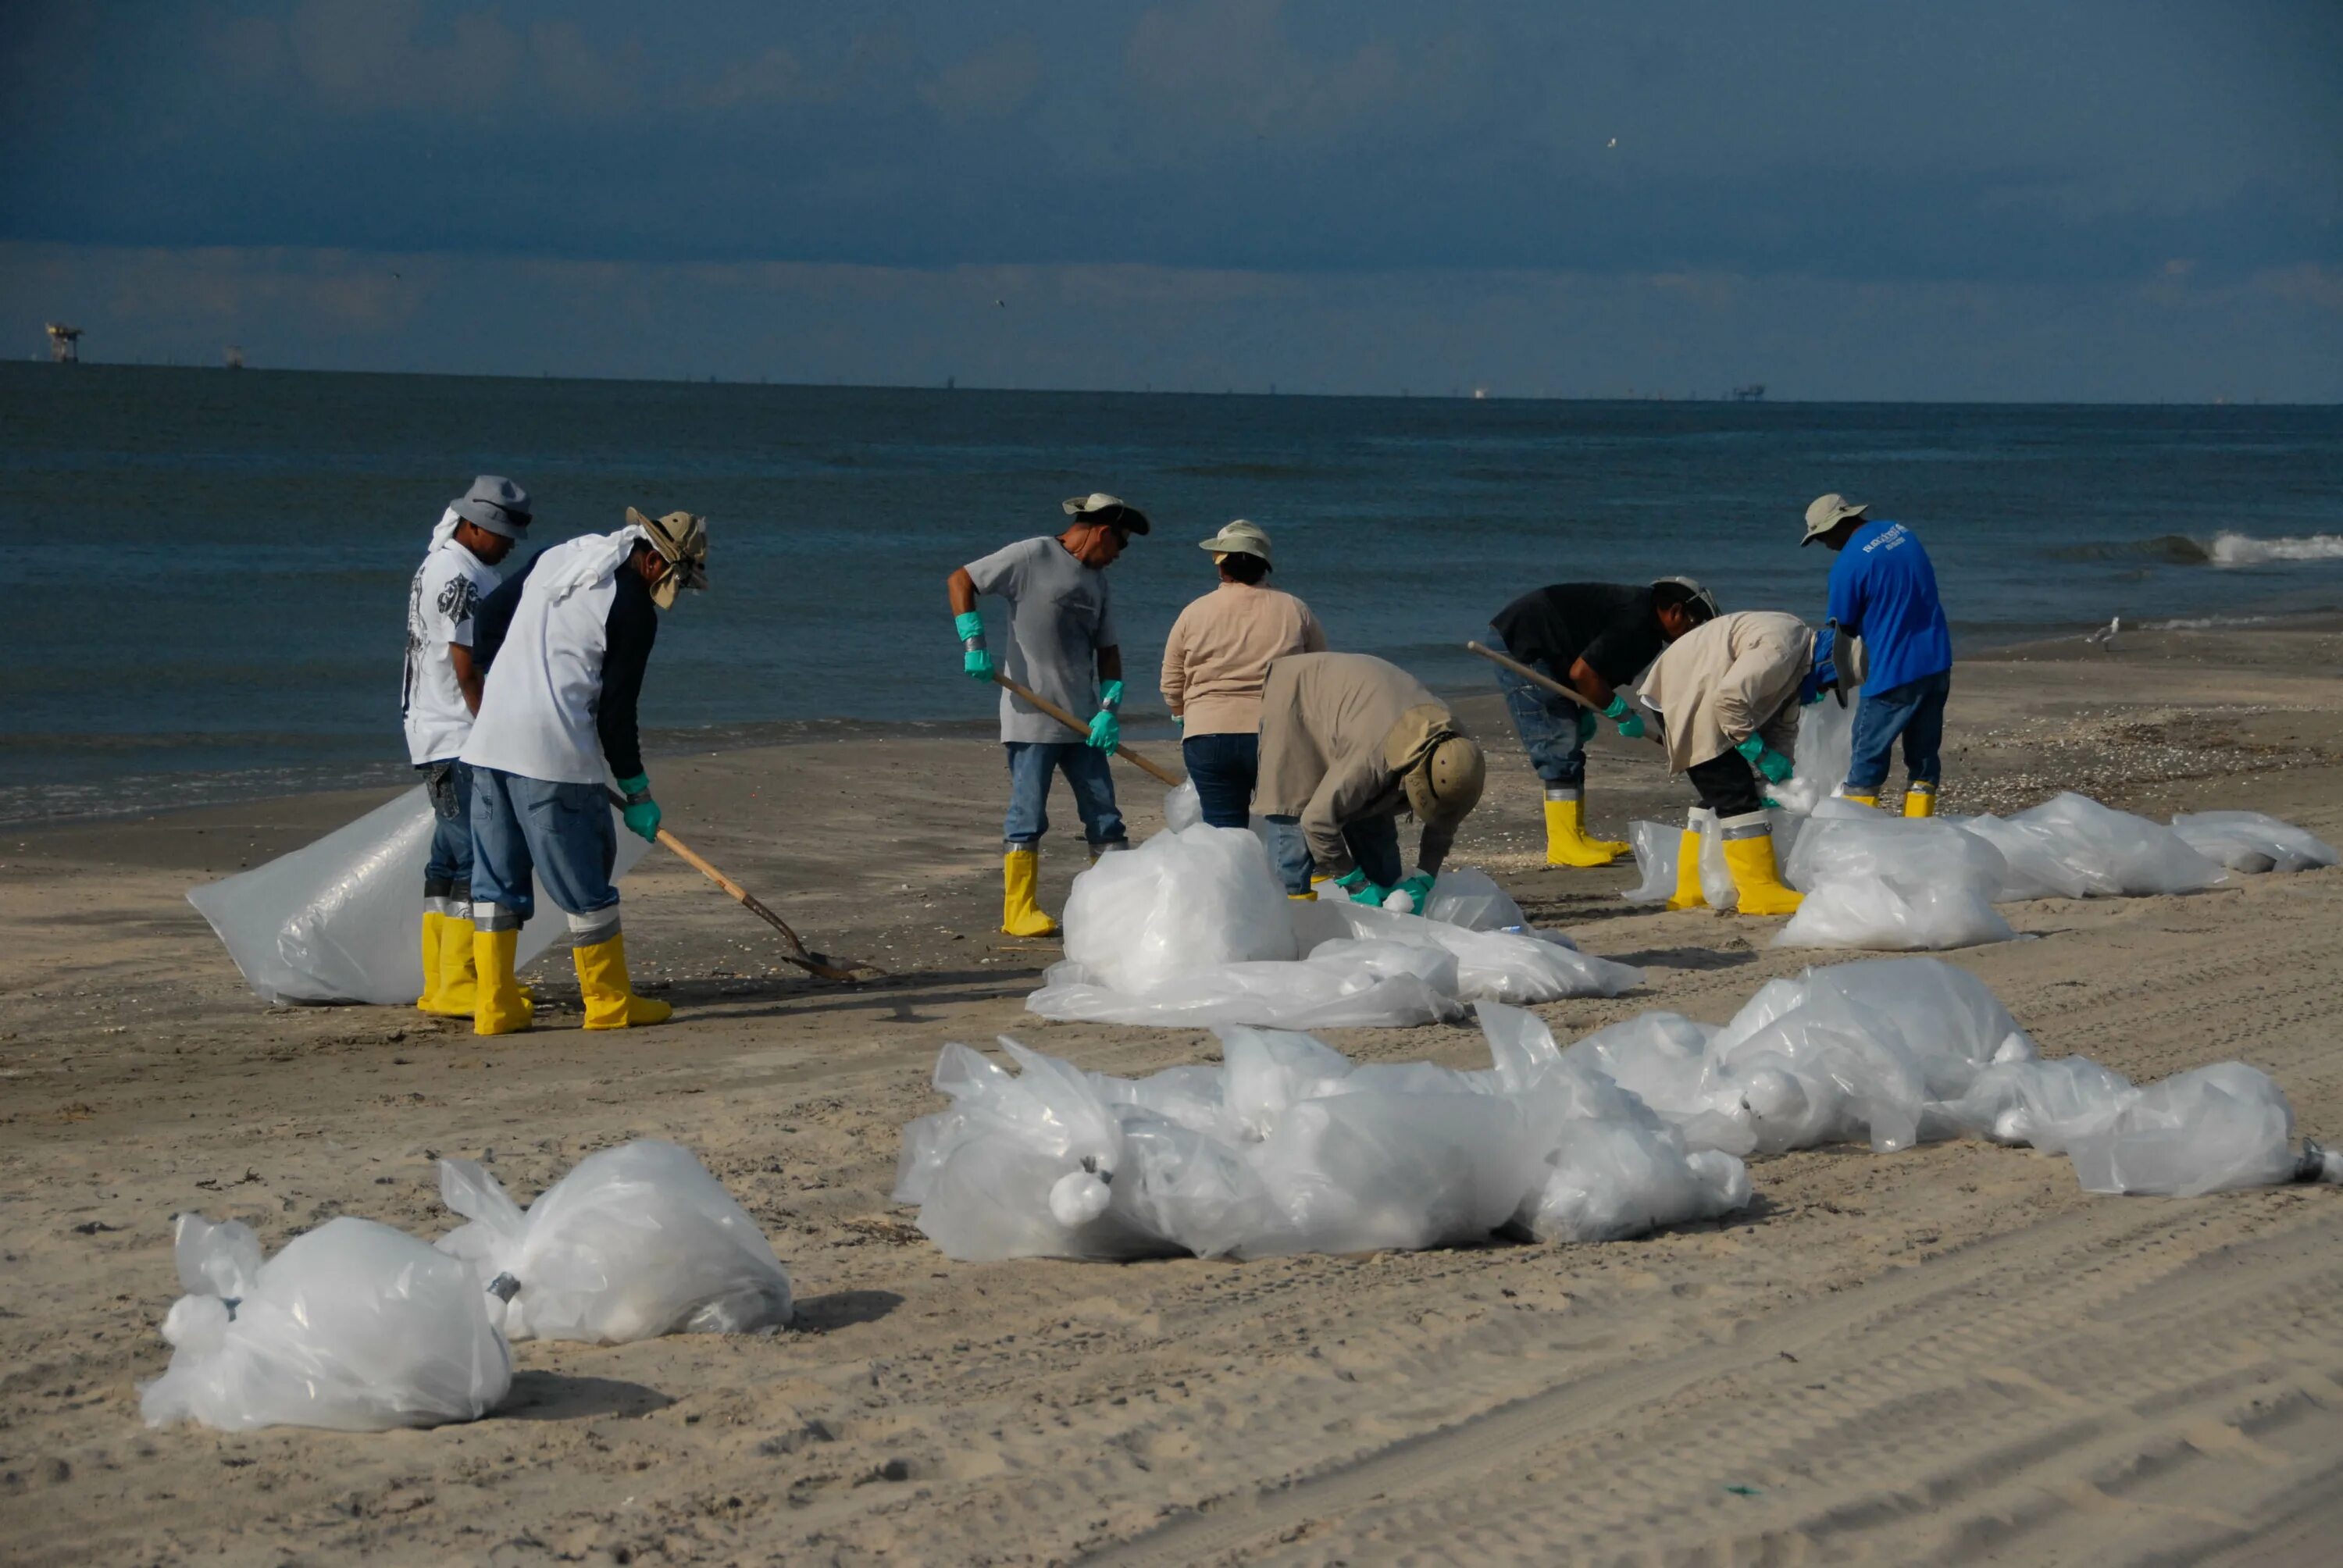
{"points": [[1358, 1172], [352, 1327], [1855, 843], [2041, 1104], [2112, 853], [1179, 904], [1469, 897], [637, 1242], [1879, 916], [1355, 985], [340, 920], [1492, 966], [2251, 842], [2210, 1129]]}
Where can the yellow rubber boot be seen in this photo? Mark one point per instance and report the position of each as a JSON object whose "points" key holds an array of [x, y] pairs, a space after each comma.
{"points": [[1920, 799], [1566, 843], [1861, 799], [1749, 855], [499, 1006], [459, 993], [432, 922], [1020, 908], [1688, 892], [608, 992]]}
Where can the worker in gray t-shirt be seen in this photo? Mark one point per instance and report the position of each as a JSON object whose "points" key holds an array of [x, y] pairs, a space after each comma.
{"points": [[1062, 647]]}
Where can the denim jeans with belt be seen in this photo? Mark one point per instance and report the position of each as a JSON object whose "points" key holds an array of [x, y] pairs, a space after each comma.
{"points": [[1031, 763], [1225, 770], [447, 874], [1546, 721], [524, 828], [1914, 710]]}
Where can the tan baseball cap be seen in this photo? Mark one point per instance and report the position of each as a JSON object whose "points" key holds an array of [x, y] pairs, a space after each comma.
{"points": [[1098, 507], [1828, 512], [1238, 539]]}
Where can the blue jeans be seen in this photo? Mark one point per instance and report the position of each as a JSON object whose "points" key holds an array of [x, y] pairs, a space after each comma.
{"points": [[523, 827], [1374, 843], [1546, 722], [1225, 768], [447, 874], [1031, 763], [1914, 711]]}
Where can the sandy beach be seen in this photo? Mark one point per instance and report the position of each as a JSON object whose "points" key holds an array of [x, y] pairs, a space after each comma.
{"points": [[1952, 1352]]}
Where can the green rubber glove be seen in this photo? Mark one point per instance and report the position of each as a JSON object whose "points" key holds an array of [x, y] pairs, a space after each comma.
{"points": [[1630, 722], [1106, 730], [1418, 889], [1587, 727], [974, 661], [1353, 883], [642, 813], [1766, 760]]}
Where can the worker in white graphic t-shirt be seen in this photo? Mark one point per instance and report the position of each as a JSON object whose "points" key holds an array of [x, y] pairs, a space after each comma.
{"points": [[438, 701], [566, 644]]}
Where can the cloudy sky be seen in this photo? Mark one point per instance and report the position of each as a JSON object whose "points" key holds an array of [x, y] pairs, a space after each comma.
{"points": [[2133, 200]]}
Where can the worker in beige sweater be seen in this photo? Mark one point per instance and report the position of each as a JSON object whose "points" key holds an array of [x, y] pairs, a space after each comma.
{"points": [[1726, 696], [1347, 743], [1214, 662]]}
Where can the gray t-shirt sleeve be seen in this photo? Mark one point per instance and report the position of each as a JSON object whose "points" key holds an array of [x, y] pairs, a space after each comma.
{"points": [[1106, 636], [1001, 572]]}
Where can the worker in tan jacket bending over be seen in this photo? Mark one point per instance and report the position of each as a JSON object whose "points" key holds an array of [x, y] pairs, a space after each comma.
{"points": [[1728, 696], [1347, 743]]}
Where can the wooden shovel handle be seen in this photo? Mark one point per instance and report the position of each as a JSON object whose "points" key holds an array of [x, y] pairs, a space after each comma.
{"points": [[1079, 728], [813, 963]]}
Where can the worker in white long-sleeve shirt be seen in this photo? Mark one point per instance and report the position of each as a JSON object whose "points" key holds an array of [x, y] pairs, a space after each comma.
{"points": [[437, 701], [567, 642]]}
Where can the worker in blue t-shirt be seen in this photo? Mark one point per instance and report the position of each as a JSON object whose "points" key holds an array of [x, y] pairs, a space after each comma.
{"points": [[1884, 591]]}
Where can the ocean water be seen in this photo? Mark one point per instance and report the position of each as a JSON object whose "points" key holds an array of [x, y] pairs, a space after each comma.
{"points": [[211, 566]]}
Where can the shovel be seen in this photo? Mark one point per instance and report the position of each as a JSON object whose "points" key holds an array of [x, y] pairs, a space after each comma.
{"points": [[1079, 728], [821, 964]]}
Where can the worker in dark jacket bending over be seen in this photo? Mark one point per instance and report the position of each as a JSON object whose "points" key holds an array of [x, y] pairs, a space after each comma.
{"points": [[566, 644]]}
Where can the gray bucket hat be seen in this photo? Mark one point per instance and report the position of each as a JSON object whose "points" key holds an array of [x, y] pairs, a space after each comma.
{"points": [[496, 504], [1827, 513], [1238, 539]]}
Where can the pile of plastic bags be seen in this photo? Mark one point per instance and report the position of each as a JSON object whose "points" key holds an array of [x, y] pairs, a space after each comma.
{"points": [[1192, 928], [357, 1327], [1291, 1147], [1885, 882], [338, 920], [1288, 1146]]}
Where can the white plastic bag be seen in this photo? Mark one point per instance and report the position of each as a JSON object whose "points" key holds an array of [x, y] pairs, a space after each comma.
{"points": [[1356, 986], [1179, 904], [2042, 1104], [635, 1243], [2210, 1129], [352, 1327], [2251, 842], [340, 920], [1469, 897], [1881, 916], [1654, 846], [1182, 810], [1825, 748], [2108, 853]]}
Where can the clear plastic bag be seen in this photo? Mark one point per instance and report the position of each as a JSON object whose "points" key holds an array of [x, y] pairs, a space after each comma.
{"points": [[635, 1243], [1469, 897], [1881, 916], [2042, 1104], [1180, 904], [2251, 842], [2210, 1129], [2075, 848], [352, 1327], [338, 921]]}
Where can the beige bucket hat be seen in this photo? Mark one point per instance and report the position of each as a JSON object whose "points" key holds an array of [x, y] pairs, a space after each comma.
{"points": [[1828, 512], [681, 540], [1238, 539]]}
